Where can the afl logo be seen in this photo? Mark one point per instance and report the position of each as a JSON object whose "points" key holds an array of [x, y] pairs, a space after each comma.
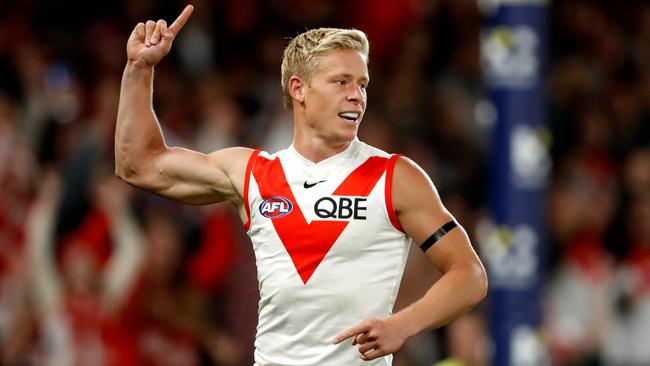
{"points": [[274, 207]]}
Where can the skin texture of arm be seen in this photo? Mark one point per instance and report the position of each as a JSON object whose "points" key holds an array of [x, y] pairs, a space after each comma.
{"points": [[142, 158], [462, 285]]}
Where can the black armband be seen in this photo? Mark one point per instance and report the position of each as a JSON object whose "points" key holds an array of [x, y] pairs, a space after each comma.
{"points": [[437, 235]]}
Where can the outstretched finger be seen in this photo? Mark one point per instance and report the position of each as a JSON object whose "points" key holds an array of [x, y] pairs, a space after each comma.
{"points": [[353, 331], [180, 21]]}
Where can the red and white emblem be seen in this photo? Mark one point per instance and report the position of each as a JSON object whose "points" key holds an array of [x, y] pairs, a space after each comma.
{"points": [[276, 206]]}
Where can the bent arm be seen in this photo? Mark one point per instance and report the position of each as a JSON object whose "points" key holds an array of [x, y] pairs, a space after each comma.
{"points": [[138, 136], [143, 160], [141, 157], [464, 281]]}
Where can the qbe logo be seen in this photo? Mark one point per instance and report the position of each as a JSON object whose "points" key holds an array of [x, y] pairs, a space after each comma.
{"points": [[274, 207]]}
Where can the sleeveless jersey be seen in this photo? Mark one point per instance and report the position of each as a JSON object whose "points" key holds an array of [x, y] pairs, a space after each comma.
{"points": [[329, 250]]}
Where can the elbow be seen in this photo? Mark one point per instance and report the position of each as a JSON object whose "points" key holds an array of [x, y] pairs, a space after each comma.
{"points": [[128, 162], [127, 172], [480, 284], [141, 176], [135, 167], [122, 175], [129, 167], [122, 171]]}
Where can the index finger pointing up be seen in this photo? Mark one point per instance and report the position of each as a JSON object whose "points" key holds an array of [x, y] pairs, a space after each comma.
{"points": [[180, 21]]}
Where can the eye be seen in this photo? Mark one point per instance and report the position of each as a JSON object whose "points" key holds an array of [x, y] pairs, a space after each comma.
{"points": [[341, 82]]}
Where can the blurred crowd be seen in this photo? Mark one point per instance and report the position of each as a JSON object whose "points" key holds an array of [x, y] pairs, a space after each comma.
{"points": [[598, 309], [94, 272]]}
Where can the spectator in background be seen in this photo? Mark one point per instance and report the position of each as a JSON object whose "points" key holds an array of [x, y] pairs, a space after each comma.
{"points": [[169, 312], [17, 173], [577, 299], [626, 338], [80, 291], [598, 121]]}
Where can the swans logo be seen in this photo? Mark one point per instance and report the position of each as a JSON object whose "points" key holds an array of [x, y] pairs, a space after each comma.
{"points": [[274, 207], [511, 55]]}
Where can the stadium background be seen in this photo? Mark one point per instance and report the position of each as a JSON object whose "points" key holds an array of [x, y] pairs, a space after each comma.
{"points": [[191, 295]]}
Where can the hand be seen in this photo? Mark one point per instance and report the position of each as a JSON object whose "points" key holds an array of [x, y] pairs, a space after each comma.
{"points": [[150, 42], [375, 337]]}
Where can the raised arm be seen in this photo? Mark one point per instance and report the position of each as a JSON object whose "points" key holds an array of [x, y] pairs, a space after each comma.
{"points": [[127, 256], [141, 157], [463, 283], [44, 275]]}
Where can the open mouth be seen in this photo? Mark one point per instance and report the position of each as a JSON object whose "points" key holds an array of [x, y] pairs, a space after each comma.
{"points": [[350, 117]]}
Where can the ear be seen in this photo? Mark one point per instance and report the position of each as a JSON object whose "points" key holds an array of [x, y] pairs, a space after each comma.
{"points": [[296, 89]]}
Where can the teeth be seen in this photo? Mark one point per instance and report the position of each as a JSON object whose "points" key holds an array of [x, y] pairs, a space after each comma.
{"points": [[349, 115]]}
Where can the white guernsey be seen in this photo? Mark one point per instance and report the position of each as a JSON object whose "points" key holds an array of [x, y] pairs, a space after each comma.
{"points": [[329, 251]]}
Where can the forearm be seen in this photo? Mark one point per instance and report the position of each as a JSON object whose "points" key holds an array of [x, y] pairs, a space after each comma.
{"points": [[138, 136], [44, 276], [455, 293], [126, 259]]}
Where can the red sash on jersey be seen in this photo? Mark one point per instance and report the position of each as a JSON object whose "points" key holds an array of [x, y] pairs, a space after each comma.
{"points": [[308, 243]]}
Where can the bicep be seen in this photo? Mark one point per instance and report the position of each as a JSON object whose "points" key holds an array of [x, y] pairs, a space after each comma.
{"points": [[196, 178], [421, 213]]}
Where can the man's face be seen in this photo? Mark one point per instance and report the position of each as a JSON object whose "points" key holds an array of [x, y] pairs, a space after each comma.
{"points": [[335, 100]]}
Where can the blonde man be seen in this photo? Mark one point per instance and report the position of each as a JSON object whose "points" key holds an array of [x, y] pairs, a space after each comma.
{"points": [[330, 218]]}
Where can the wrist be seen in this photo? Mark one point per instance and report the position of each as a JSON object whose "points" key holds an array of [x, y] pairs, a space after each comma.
{"points": [[138, 71], [404, 325], [137, 65]]}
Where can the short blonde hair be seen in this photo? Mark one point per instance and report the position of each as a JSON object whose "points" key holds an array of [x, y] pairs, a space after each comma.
{"points": [[301, 55]]}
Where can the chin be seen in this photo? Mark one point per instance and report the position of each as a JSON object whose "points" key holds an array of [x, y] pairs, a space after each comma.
{"points": [[347, 136]]}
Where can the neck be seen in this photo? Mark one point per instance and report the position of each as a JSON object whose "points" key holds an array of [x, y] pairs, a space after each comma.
{"points": [[314, 144], [317, 150], [314, 147]]}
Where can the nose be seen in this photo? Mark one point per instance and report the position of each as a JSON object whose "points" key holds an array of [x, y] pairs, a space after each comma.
{"points": [[356, 93]]}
